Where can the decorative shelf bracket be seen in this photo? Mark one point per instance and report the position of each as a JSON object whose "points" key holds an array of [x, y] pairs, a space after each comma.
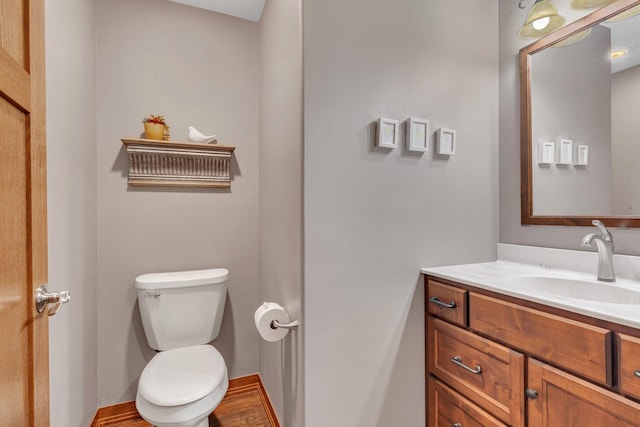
{"points": [[178, 164]]}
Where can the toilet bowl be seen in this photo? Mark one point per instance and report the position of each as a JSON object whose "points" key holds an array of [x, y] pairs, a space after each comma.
{"points": [[181, 387], [181, 313]]}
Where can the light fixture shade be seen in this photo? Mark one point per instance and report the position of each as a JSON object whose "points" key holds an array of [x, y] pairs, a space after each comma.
{"points": [[540, 10], [625, 15], [573, 39], [589, 4]]}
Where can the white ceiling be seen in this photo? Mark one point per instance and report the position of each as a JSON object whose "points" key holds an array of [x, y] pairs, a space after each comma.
{"points": [[245, 9], [625, 35]]}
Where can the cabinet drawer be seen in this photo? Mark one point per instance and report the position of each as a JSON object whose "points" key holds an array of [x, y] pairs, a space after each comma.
{"points": [[630, 365], [487, 373], [448, 408], [447, 302], [575, 346]]}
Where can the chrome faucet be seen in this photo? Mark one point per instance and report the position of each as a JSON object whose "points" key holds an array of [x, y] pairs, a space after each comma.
{"points": [[604, 243]]}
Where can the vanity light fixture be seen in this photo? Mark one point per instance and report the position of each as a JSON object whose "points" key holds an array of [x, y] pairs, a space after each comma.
{"points": [[542, 19], [589, 4]]}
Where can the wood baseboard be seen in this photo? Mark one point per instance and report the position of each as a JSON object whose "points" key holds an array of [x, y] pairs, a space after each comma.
{"points": [[116, 414], [245, 393]]}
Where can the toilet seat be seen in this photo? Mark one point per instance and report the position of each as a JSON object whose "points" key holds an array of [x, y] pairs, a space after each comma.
{"points": [[182, 375], [181, 385]]}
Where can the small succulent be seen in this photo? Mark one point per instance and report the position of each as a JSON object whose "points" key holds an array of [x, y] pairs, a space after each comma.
{"points": [[155, 119]]}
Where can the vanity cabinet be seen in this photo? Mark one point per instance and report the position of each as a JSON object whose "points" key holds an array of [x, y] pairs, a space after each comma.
{"points": [[502, 361]]}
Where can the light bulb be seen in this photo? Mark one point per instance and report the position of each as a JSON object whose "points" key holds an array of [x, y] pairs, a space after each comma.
{"points": [[541, 23]]}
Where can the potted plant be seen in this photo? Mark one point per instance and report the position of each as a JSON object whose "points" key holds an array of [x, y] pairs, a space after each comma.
{"points": [[154, 127]]}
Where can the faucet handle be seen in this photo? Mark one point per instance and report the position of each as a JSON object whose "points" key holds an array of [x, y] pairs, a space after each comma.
{"points": [[603, 230]]}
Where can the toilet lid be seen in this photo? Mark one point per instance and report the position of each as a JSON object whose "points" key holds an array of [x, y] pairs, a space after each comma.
{"points": [[182, 375]]}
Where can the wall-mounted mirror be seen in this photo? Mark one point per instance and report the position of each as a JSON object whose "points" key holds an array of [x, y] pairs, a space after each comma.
{"points": [[580, 121]]}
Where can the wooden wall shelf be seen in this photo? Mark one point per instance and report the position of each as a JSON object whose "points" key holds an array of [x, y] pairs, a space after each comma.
{"points": [[178, 164]]}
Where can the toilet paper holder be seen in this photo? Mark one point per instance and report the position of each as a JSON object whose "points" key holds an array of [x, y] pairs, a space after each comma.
{"points": [[291, 325]]}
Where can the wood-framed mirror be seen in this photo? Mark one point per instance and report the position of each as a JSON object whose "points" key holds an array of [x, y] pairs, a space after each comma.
{"points": [[573, 103]]}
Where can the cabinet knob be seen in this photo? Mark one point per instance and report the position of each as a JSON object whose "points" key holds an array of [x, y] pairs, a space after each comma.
{"points": [[456, 425], [637, 373], [531, 393]]}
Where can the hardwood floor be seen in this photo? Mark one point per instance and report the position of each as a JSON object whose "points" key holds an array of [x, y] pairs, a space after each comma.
{"points": [[246, 404]]}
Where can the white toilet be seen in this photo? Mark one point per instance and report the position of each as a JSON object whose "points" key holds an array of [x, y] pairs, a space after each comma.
{"points": [[182, 313]]}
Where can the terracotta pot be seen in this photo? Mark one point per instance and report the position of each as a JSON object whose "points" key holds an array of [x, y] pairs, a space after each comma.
{"points": [[154, 131]]}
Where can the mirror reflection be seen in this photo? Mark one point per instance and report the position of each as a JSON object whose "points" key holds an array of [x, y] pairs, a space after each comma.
{"points": [[585, 122]]}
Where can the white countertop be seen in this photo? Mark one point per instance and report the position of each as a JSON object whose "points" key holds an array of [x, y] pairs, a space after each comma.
{"points": [[514, 260]]}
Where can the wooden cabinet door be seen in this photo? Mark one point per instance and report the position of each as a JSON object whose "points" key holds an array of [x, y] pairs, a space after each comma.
{"points": [[24, 363], [565, 400]]}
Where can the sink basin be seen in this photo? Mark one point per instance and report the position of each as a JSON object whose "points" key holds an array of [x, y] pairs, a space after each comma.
{"points": [[577, 289]]}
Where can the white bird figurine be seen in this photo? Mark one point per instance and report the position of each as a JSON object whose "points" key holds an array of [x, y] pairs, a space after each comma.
{"points": [[194, 135]]}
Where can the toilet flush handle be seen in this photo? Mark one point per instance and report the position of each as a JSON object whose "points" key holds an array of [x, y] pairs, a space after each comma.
{"points": [[154, 294]]}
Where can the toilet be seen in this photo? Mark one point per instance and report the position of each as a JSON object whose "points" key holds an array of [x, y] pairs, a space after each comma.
{"points": [[181, 314]]}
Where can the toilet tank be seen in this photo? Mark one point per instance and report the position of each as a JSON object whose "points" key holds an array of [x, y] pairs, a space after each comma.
{"points": [[182, 308]]}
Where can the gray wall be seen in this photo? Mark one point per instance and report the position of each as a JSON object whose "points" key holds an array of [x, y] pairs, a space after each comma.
{"points": [[281, 199], [71, 151], [197, 68], [373, 218], [511, 231], [559, 78], [625, 102]]}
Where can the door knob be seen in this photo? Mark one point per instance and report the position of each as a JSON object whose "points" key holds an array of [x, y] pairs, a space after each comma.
{"points": [[44, 298]]}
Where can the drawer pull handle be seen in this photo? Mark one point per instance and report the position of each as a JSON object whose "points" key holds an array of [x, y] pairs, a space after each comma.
{"points": [[437, 301], [457, 360], [456, 425], [637, 373]]}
